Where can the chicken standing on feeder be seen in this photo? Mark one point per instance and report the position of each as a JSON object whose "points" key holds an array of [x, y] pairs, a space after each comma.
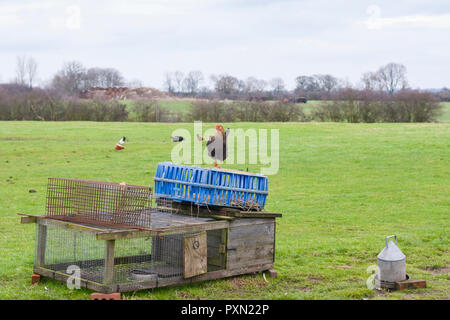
{"points": [[217, 145], [119, 145]]}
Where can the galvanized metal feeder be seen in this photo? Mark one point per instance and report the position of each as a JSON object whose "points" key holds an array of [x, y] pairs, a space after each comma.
{"points": [[392, 265]]}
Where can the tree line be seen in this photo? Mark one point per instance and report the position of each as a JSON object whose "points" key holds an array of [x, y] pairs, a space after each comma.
{"points": [[382, 96], [348, 105], [74, 78]]}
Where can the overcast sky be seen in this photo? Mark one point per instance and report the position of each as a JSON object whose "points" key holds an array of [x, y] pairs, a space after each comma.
{"points": [[262, 38]]}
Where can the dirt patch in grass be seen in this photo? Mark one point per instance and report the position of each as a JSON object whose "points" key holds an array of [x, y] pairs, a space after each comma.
{"points": [[185, 295], [441, 270], [341, 267], [314, 279]]}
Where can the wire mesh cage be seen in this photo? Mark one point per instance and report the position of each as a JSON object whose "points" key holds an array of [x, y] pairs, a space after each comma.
{"points": [[100, 202], [135, 260], [65, 249]]}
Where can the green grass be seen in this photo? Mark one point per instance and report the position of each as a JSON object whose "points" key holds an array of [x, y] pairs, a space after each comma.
{"points": [[445, 117], [341, 188]]}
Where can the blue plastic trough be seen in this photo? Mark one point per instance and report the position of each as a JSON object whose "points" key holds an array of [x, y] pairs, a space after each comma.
{"points": [[211, 186]]}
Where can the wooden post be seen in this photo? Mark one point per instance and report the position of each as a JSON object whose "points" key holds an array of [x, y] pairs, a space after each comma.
{"points": [[224, 245], [109, 262], [41, 245]]}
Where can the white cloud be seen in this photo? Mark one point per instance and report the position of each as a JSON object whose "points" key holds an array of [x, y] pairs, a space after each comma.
{"points": [[261, 38], [375, 21], [71, 20]]}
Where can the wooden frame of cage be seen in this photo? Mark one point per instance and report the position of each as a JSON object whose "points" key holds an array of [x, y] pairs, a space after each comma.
{"points": [[248, 248]]}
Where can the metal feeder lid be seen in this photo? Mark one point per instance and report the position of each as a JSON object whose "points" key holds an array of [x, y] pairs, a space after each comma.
{"points": [[391, 252]]}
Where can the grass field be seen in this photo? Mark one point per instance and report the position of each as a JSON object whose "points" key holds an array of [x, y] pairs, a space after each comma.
{"points": [[445, 117], [341, 187], [183, 107]]}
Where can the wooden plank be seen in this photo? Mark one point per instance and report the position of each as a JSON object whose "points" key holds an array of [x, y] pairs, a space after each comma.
{"points": [[257, 214], [68, 225], [251, 221], [135, 286], [252, 231], [224, 247], [25, 220], [219, 274], [108, 277], [274, 239], [63, 278], [195, 255], [133, 233], [41, 245], [162, 282], [248, 264], [250, 254], [410, 284], [248, 243], [202, 211], [29, 215], [222, 217]]}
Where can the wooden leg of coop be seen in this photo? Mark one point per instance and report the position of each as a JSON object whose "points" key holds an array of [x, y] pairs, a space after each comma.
{"points": [[109, 262], [272, 273], [35, 278], [42, 242], [105, 296]]}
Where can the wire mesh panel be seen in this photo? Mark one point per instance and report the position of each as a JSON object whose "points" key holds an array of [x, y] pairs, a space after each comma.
{"points": [[147, 259], [110, 203], [67, 248], [131, 254]]}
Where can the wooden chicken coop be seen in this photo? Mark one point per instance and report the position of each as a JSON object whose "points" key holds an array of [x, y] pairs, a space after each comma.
{"points": [[122, 239]]}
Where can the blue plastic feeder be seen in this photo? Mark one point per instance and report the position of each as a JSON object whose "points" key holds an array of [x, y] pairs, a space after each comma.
{"points": [[211, 186]]}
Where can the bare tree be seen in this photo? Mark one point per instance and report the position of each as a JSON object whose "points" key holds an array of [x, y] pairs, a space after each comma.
{"points": [[192, 81], [169, 82], [70, 79], [250, 84], [307, 84], [178, 77], [254, 87], [370, 81], [392, 77], [277, 85], [31, 71], [327, 82], [21, 70], [111, 77], [261, 85], [225, 84]]}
